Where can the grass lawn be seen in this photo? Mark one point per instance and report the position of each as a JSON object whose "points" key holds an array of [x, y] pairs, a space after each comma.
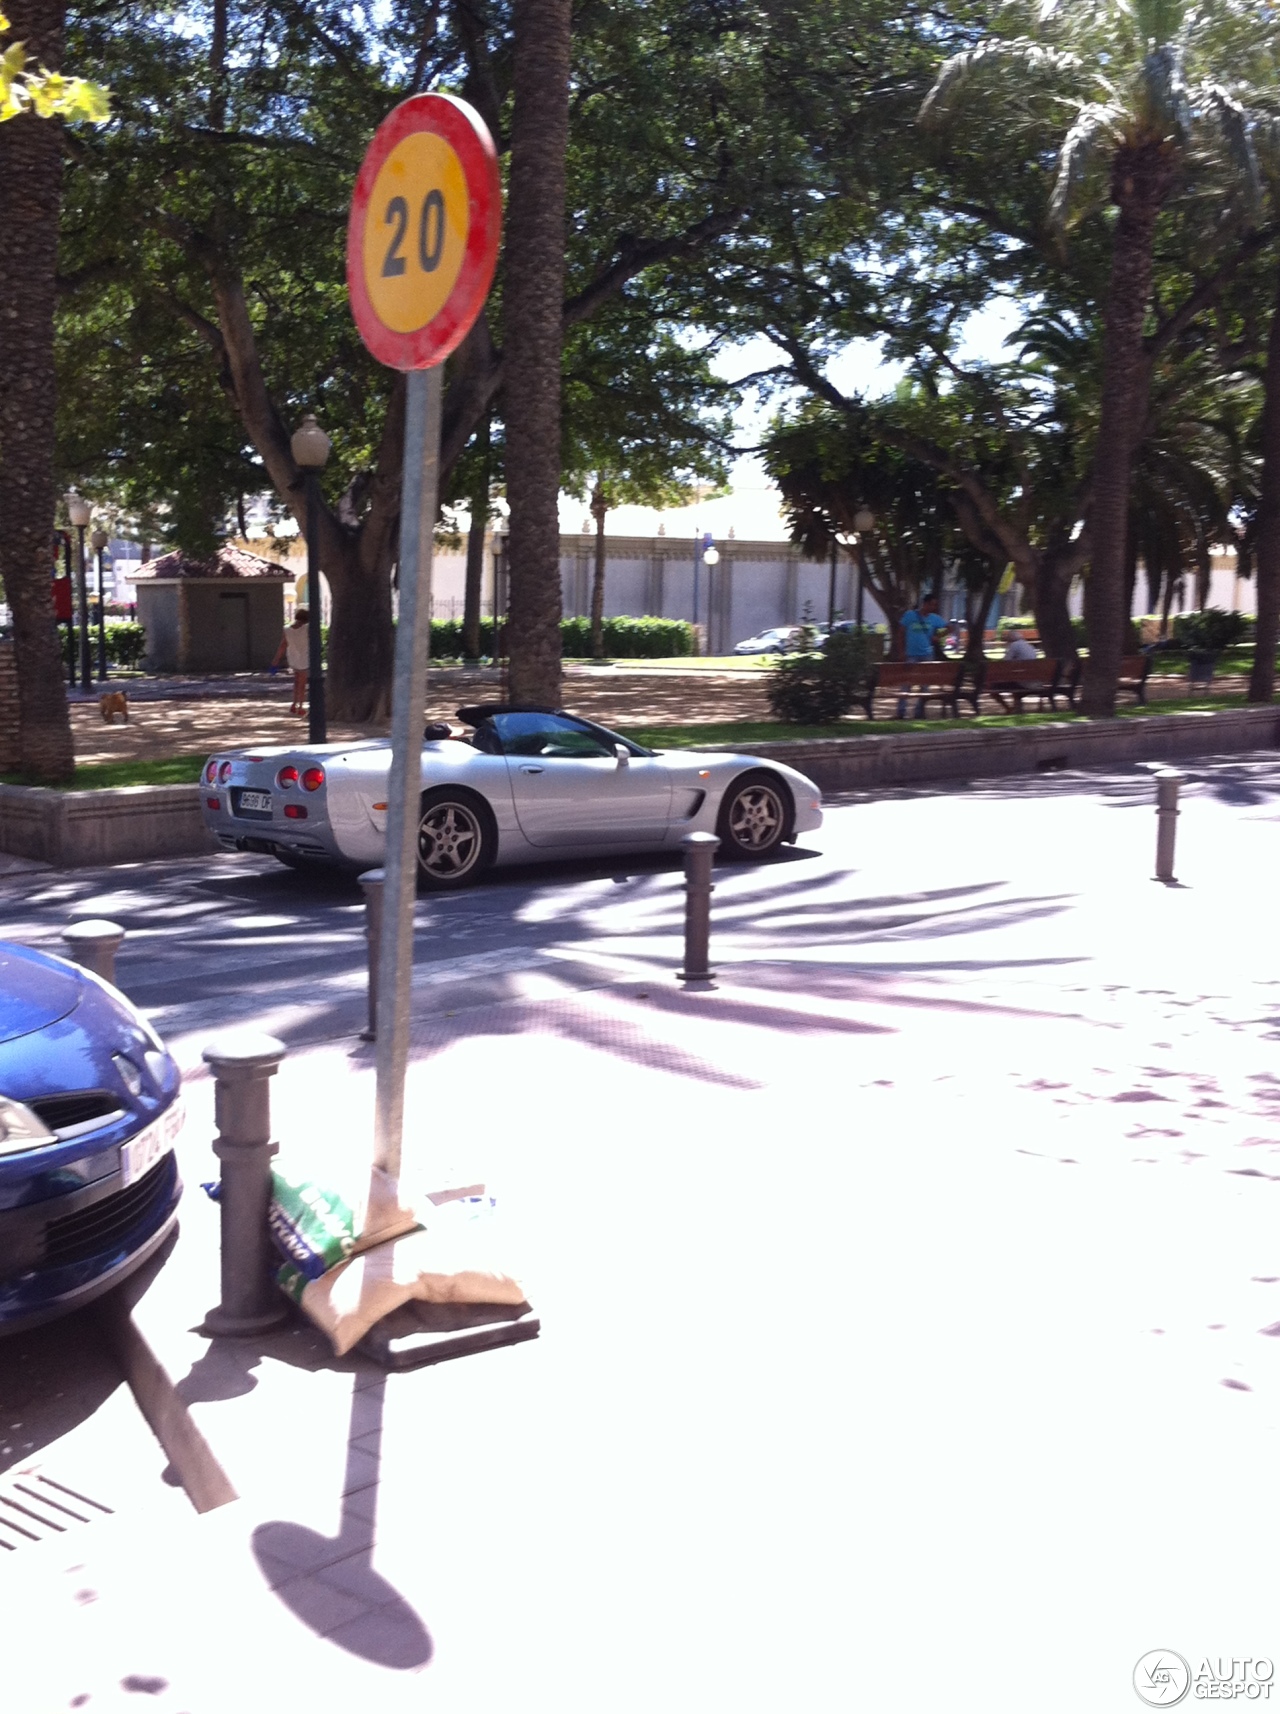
{"points": [[747, 732], [170, 771], [185, 770]]}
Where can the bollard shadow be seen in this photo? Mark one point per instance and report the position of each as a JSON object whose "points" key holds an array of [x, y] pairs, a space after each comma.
{"points": [[329, 1583]]}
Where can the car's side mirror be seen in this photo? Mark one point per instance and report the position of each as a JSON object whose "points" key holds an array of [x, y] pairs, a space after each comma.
{"points": [[623, 755]]}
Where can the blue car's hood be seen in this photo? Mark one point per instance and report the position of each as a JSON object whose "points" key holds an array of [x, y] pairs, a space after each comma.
{"points": [[33, 992]]}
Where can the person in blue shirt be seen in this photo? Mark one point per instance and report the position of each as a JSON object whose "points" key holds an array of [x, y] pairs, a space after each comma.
{"points": [[920, 626]]}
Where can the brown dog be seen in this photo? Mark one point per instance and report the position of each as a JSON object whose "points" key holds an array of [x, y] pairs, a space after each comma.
{"points": [[112, 703]]}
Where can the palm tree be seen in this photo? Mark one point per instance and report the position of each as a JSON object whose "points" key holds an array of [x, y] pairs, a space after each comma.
{"points": [[31, 146], [1152, 91], [1262, 681], [533, 311]]}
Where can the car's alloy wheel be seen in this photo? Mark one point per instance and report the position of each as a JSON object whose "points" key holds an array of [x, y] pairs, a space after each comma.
{"points": [[453, 842], [753, 821]]}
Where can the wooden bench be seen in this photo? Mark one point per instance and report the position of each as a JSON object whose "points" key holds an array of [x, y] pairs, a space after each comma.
{"points": [[1010, 682], [1134, 672], [926, 681]]}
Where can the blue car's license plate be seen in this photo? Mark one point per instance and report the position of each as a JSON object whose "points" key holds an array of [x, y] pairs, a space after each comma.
{"points": [[141, 1153]]}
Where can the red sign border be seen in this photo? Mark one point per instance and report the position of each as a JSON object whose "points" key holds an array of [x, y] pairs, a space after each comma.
{"points": [[468, 135]]}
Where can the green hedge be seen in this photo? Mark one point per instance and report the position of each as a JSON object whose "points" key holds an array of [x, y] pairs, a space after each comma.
{"points": [[126, 642], [627, 639]]}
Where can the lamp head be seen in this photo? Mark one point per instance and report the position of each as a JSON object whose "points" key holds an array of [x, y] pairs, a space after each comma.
{"points": [[99, 539], [863, 520], [78, 509], [310, 444], [711, 556]]}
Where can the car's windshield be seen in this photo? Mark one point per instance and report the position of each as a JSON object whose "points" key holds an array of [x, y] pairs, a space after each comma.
{"points": [[533, 734]]}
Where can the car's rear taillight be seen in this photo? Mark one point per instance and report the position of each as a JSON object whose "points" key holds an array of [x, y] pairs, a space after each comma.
{"points": [[296, 811], [287, 777], [224, 773], [313, 779], [211, 771]]}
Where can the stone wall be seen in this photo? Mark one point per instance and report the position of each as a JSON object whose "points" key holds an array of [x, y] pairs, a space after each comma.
{"points": [[8, 710]]}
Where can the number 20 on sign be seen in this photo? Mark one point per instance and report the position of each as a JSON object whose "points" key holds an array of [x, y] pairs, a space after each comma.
{"points": [[422, 240]]}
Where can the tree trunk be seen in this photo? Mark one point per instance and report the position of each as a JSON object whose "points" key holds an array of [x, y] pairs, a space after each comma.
{"points": [[475, 553], [599, 511], [1262, 680], [1140, 180], [30, 196], [361, 638], [533, 311], [975, 615], [1050, 604]]}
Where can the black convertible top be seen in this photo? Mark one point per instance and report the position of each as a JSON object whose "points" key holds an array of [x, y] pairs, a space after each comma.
{"points": [[482, 711]]}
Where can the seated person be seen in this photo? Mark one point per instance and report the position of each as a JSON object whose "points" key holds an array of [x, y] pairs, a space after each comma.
{"points": [[920, 634], [1020, 648]]}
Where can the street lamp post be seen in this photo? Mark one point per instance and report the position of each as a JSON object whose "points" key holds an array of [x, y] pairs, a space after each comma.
{"points": [[80, 511], [99, 540], [831, 586], [704, 553], [863, 521], [310, 447], [500, 569]]}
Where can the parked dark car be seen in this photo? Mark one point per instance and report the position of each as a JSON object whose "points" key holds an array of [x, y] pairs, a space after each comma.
{"points": [[89, 1111]]}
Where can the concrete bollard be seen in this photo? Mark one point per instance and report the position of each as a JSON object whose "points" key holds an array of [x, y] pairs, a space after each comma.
{"points": [[372, 881], [243, 1062], [1168, 781], [94, 944], [699, 854]]}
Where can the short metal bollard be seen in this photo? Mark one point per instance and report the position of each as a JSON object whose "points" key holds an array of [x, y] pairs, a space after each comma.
{"points": [[1168, 782], [243, 1063], [372, 881], [699, 854], [94, 944]]}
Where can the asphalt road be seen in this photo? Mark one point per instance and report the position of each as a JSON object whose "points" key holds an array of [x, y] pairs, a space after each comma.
{"points": [[225, 940]]}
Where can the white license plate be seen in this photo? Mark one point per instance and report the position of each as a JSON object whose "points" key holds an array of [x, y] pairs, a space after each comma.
{"points": [[141, 1153], [255, 800]]}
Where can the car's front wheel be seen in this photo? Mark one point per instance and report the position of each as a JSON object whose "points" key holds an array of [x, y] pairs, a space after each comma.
{"points": [[456, 840], [754, 816]]}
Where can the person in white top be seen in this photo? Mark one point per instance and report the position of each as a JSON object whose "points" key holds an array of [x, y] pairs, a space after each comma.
{"points": [[1019, 648], [295, 648]]}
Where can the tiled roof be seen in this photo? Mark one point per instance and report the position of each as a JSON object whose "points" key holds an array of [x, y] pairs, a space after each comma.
{"points": [[226, 562]]}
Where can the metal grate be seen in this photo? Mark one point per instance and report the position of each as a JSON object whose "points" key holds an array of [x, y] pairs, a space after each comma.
{"points": [[79, 1108], [34, 1508], [89, 1231]]}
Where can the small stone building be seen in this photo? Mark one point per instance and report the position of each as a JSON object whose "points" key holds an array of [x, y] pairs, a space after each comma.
{"points": [[223, 614]]}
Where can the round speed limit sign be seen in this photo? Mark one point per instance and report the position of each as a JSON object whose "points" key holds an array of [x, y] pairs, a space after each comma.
{"points": [[422, 239]]}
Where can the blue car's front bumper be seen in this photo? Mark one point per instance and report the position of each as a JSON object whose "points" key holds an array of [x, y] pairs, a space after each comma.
{"points": [[76, 1247], [82, 1060]]}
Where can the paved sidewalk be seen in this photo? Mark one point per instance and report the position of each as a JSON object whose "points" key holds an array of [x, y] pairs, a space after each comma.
{"points": [[910, 1304]]}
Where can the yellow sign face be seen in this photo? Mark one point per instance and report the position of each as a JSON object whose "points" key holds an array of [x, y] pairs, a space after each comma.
{"points": [[415, 232]]}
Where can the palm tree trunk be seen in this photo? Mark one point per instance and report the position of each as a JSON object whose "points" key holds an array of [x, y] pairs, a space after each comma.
{"points": [[533, 300], [1262, 680], [599, 511], [1139, 184], [30, 197]]}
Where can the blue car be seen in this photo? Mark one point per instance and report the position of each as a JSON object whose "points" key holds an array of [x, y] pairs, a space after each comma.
{"points": [[89, 1111]]}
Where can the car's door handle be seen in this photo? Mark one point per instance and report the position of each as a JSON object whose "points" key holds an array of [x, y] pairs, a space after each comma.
{"points": [[526, 769]]}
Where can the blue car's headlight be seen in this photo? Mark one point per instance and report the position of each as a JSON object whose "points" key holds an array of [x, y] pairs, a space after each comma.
{"points": [[19, 1128]]}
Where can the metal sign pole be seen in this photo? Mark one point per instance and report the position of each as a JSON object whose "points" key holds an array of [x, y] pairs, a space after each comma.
{"points": [[423, 394]]}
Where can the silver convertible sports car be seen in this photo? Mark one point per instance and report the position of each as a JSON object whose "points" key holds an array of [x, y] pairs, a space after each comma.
{"points": [[529, 785]]}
